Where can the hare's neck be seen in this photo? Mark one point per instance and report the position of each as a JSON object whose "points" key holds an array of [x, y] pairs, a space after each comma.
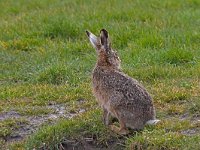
{"points": [[103, 62], [106, 65]]}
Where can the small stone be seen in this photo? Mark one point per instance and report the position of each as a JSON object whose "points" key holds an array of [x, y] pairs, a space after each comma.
{"points": [[52, 116], [81, 110]]}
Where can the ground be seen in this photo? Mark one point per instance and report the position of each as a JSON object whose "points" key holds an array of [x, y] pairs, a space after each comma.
{"points": [[46, 63]]}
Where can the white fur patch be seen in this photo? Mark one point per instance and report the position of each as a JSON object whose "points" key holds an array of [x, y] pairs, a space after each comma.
{"points": [[93, 40], [152, 122]]}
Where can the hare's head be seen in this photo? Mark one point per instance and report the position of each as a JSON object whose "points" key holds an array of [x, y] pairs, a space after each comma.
{"points": [[106, 55]]}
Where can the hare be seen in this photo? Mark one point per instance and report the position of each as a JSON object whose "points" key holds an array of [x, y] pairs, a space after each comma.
{"points": [[119, 95]]}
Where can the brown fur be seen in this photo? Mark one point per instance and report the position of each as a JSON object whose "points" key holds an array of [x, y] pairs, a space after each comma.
{"points": [[118, 94]]}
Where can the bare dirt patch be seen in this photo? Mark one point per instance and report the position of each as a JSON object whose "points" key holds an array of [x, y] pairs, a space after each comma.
{"points": [[32, 123], [91, 143]]}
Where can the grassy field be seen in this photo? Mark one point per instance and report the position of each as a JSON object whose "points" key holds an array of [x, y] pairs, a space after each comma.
{"points": [[46, 62]]}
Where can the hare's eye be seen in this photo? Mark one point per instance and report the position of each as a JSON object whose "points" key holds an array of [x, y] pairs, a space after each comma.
{"points": [[116, 57]]}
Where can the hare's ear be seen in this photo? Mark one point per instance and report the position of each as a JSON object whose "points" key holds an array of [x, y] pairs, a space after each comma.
{"points": [[104, 39], [93, 39]]}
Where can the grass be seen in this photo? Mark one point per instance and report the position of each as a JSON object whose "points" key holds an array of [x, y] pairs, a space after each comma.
{"points": [[89, 126], [8, 125], [47, 59]]}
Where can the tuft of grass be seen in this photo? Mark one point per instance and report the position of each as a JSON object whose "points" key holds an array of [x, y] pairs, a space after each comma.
{"points": [[195, 106], [34, 111], [175, 109], [23, 44], [166, 135], [170, 93], [160, 139], [150, 40], [53, 75], [174, 125], [61, 27], [178, 56], [8, 125], [73, 129], [19, 145]]}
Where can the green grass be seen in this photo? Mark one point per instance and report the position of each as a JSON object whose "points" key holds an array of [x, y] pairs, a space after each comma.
{"points": [[160, 139], [46, 58], [72, 129], [8, 125]]}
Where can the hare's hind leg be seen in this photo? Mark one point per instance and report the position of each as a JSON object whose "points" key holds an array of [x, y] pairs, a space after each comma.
{"points": [[106, 117], [122, 130]]}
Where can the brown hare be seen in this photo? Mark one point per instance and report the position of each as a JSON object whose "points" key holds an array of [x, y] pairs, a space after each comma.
{"points": [[119, 95]]}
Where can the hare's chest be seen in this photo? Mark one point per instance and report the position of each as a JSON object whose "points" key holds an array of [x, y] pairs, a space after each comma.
{"points": [[100, 94]]}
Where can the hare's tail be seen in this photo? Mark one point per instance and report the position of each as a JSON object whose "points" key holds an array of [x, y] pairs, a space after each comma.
{"points": [[152, 122]]}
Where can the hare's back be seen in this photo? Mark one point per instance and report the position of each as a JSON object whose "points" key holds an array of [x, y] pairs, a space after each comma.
{"points": [[133, 91], [120, 85], [128, 90]]}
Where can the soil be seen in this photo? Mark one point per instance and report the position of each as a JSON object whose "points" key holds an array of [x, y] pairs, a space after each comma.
{"points": [[91, 143], [32, 123], [195, 120]]}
